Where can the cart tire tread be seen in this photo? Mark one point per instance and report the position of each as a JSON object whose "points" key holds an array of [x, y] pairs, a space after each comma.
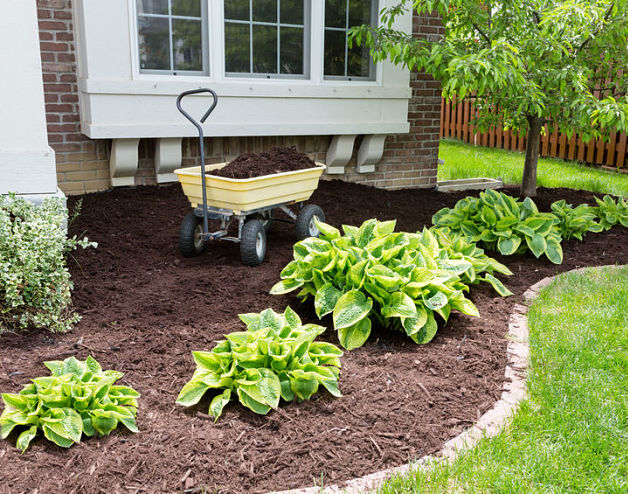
{"points": [[253, 243], [304, 226], [189, 244]]}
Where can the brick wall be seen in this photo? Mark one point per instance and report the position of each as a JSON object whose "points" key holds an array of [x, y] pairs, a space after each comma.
{"points": [[409, 160]]}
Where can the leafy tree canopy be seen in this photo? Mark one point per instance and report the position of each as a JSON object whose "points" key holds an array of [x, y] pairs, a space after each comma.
{"points": [[527, 62]]}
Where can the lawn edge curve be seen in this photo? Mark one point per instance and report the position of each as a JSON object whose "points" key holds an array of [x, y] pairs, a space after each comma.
{"points": [[489, 424]]}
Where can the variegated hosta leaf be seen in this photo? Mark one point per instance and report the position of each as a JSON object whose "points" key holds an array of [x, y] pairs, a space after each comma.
{"points": [[277, 358], [79, 398]]}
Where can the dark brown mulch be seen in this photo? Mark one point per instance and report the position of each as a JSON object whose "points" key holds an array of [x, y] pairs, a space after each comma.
{"points": [[277, 160], [145, 308]]}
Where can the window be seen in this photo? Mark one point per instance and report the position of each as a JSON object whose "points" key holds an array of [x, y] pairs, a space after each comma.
{"points": [[266, 38], [172, 36], [342, 62]]}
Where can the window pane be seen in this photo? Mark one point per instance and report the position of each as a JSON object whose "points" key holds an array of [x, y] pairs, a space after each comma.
{"points": [[187, 42], [359, 12], [335, 52], [152, 7], [265, 49], [191, 8], [291, 12], [265, 10], [335, 13], [291, 54], [237, 56], [154, 43], [358, 63], [237, 10]]}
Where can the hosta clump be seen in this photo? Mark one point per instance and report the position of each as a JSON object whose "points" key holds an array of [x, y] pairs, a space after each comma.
{"points": [[455, 246], [78, 398], [275, 358], [575, 222], [611, 212], [501, 223], [401, 279], [35, 283]]}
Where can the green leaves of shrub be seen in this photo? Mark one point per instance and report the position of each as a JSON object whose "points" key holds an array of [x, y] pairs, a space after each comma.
{"points": [[35, 282], [275, 358], [611, 212], [78, 398], [575, 222], [401, 279], [502, 223]]}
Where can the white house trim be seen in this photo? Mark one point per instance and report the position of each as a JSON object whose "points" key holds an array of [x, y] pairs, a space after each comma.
{"points": [[117, 101], [27, 163], [370, 152]]}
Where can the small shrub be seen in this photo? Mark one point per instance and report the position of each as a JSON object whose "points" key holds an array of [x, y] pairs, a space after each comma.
{"points": [[401, 279], [275, 358], [575, 222], [612, 212], [501, 223], [35, 283], [78, 398]]}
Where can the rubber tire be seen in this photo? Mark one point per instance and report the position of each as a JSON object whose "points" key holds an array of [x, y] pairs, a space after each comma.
{"points": [[305, 217], [251, 231], [187, 232], [267, 222]]}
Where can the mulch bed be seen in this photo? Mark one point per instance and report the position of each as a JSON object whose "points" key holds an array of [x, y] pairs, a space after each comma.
{"points": [[145, 308], [277, 160]]}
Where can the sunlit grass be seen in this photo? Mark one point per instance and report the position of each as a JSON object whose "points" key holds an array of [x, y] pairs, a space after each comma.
{"points": [[467, 161], [571, 434]]}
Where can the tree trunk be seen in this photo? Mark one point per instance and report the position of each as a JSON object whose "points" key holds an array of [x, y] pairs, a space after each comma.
{"points": [[528, 184]]}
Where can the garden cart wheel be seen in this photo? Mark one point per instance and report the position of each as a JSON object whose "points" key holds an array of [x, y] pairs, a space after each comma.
{"points": [[305, 221], [266, 218], [191, 241], [253, 243]]}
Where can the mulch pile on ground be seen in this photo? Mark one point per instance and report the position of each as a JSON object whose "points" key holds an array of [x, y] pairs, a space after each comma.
{"points": [[145, 308], [277, 160]]}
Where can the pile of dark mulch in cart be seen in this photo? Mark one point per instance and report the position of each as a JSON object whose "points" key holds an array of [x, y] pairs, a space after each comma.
{"points": [[277, 160], [145, 308]]}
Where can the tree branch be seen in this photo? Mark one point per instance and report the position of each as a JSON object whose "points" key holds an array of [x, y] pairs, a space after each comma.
{"points": [[596, 30], [477, 28]]}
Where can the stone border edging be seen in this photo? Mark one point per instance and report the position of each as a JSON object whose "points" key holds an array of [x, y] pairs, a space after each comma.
{"points": [[491, 423]]}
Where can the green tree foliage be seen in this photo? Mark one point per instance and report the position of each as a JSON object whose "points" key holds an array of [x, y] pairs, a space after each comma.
{"points": [[527, 63]]}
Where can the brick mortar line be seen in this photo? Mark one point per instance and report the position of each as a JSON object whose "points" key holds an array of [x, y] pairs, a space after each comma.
{"points": [[489, 424]]}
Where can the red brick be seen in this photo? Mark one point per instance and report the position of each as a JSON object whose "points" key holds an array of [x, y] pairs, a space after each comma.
{"points": [[64, 108], [64, 36], [47, 57], [62, 14], [49, 46], [69, 98], [58, 88], [67, 78], [44, 14], [66, 57], [61, 127]]}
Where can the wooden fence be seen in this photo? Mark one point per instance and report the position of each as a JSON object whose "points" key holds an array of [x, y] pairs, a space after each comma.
{"points": [[455, 118]]}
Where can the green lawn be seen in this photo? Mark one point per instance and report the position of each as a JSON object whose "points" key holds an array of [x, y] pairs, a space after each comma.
{"points": [[467, 161], [571, 434]]}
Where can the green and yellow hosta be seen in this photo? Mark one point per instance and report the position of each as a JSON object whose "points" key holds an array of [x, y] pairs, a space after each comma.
{"points": [[401, 279], [275, 358], [78, 398], [575, 222], [501, 223], [612, 212]]}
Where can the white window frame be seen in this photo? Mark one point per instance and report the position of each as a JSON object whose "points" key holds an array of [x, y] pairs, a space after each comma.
{"points": [[306, 26], [372, 66], [170, 16]]}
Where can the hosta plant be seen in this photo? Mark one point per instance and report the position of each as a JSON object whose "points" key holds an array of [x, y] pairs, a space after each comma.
{"points": [[78, 398], [275, 358], [504, 224], [454, 246], [575, 222], [402, 280], [611, 212]]}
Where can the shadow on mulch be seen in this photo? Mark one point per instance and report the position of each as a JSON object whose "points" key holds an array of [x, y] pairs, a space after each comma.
{"points": [[145, 308]]}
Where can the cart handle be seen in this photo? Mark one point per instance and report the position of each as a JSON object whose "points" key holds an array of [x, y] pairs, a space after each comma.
{"points": [[187, 115], [201, 142]]}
